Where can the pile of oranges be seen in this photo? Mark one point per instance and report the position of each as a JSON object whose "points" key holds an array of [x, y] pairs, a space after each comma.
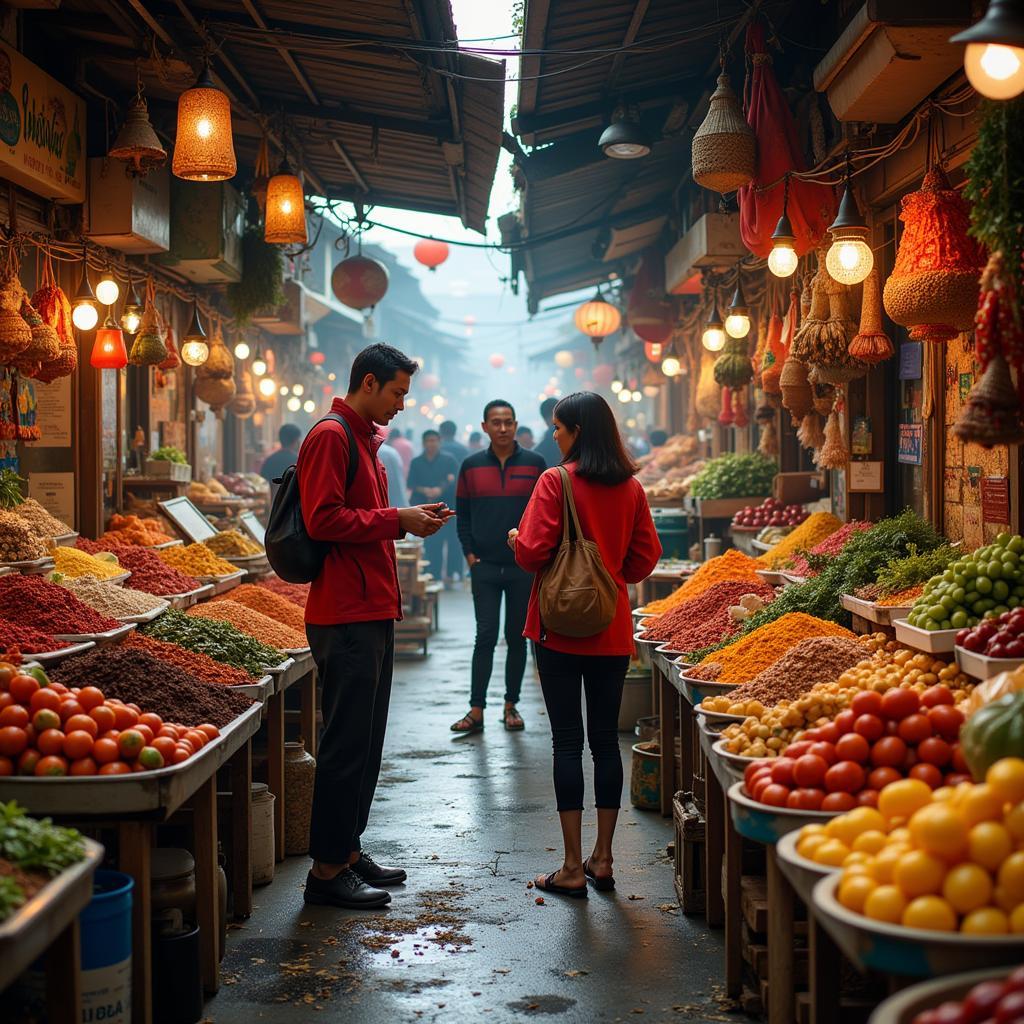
{"points": [[945, 860]]}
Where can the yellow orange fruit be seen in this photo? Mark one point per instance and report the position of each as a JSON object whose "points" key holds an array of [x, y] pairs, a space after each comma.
{"points": [[1011, 877], [932, 913], [1006, 777], [1017, 919], [870, 842], [1014, 821], [885, 903], [985, 921], [831, 852], [901, 799], [807, 846], [989, 843], [919, 873], [885, 861], [981, 803], [940, 829], [854, 891], [967, 887]]}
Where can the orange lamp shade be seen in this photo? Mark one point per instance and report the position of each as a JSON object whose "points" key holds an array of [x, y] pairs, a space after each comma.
{"points": [[430, 252], [597, 319], [654, 350], [204, 148], [317, 358], [108, 351], [285, 218]]}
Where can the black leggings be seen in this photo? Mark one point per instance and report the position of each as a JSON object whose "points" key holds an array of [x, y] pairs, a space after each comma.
{"points": [[602, 677]]}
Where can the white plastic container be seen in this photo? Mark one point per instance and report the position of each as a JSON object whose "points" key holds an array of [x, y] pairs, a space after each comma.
{"points": [[262, 834]]}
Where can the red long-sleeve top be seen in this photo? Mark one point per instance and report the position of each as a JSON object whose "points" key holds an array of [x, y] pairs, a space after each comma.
{"points": [[359, 580], [619, 520]]}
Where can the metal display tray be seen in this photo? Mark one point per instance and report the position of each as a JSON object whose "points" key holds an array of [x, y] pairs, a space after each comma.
{"points": [[149, 616], [108, 637], [262, 690], [190, 597], [52, 657]]}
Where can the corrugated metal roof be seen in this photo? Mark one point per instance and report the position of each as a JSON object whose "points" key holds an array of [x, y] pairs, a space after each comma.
{"points": [[373, 123]]}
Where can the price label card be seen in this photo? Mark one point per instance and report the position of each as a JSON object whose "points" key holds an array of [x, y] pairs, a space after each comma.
{"points": [[253, 527], [865, 477], [188, 519]]}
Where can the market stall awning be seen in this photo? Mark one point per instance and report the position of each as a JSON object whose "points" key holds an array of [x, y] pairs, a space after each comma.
{"points": [[582, 212], [375, 100]]}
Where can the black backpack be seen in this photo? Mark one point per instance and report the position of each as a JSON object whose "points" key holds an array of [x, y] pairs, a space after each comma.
{"points": [[292, 553]]}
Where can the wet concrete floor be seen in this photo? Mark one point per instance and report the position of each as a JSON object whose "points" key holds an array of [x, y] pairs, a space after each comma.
{"points": [[473, 820]]}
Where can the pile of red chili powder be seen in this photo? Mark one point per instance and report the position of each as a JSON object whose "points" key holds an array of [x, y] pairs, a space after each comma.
{"points": [[48, 607], [149, 572]]}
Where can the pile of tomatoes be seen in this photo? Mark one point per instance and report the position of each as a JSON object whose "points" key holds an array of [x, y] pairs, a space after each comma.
{"points": [[879, 739], [988, 1002], [47, 729]]}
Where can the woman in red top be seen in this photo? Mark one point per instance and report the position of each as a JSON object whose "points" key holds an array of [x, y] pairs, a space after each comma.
{"points": [[613, 512]]}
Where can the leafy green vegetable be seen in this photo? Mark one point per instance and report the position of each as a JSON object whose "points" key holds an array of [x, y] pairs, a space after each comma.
{"points": [[10, 489], [11, 896], [36, 844], [917, 567], [168, 453], [220, 640], [735, 476]]}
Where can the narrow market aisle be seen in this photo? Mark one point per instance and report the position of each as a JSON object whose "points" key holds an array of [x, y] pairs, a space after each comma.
{"points": [[472, 820]]}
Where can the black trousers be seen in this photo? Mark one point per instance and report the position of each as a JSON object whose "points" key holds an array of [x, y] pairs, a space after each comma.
{"points": [[602, 677], [354, 662], [490, 582]]}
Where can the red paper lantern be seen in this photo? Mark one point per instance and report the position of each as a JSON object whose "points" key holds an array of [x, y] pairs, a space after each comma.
{"points": [[603, 375], [580, 373], [651, 320], [327, 389], [654, 350], [359, 282], [497, 360], [317, 358], [108, 351], [430, 253]]}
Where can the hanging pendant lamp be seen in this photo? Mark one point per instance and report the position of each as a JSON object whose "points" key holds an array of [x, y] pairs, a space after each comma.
{"points": [[737, 320], [994, 58], [131, 315], [724, 153], [85, 312], [783, 260], [108, 350], [194, 347], [849, 258], [597, 319], [204, 149], [137, 143], [285, 217]]}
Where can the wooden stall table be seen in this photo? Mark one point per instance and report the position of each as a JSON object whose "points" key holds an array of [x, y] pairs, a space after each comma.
{"points": [[660, 584], [716, 816], [134, 805], [154, 487], [47, 925], [667, 705]]}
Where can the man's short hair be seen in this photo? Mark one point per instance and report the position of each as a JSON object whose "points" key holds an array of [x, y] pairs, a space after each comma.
{"points": [[657, 437], [476, 437], [498, 403], [448, 429], [547, 407], [430, 433], [385, 363], [288, 434]]}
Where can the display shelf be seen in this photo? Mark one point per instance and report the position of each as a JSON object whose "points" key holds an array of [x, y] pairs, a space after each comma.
{"points": [[52, 657], [144, 617], [190, 597], [904, 1006], [695, 690], [772, 577], [107, 637], [982, 667], [66, 540], [941, 641], [764, 824]]}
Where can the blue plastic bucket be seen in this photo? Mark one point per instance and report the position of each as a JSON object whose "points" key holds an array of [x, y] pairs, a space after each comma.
{"points": [[106, 926]]}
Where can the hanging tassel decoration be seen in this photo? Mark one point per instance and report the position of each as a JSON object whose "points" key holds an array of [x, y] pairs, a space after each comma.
{"points": [[768, 445], [872, 344], [740, 417], [726, 416], [833, 454], [810, 434]]}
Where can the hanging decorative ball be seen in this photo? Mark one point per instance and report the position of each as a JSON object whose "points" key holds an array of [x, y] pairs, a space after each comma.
{"points": [[360, 282], [724, 146], [430, 253], [654, 351], [317, 358], [563, 358], [652, 321], [137, 143], [604, 374], [496, 359], [597, 319]]}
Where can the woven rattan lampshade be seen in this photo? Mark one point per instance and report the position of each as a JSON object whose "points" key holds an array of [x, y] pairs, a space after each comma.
{"points": [[285, 218], [724, 146], [204, 149], [136, 142]]}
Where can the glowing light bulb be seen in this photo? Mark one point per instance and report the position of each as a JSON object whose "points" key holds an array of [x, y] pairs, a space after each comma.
{"points": [[332, 376], [308, 405], [286, 206], [671, 365], [298, 389], [267, 386], [241, 350], [737, 325], [107, 290], [625, 395], [85, 316], [637, 396], [617, 387], [783, 260], [995, 70], [439, 401], [204, 127], [259, 366], [294, 404], [130, 321], [195, 353], [849, 260], [283, 390]]}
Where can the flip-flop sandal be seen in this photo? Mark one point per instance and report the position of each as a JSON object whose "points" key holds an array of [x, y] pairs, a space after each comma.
{"points": [[575, 891], [475, 725], [517, 726], [600, 884]]}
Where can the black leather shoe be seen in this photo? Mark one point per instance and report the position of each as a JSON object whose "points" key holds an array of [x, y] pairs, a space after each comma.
{"points": [[345, 889], [370, 871]]}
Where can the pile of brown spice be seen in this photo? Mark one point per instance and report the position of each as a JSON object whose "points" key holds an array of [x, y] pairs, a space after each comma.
{"points": [[297, 593], [257, 625]]}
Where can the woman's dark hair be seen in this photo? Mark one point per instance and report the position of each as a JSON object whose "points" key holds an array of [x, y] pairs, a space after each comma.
{"points": [[598, 452]]}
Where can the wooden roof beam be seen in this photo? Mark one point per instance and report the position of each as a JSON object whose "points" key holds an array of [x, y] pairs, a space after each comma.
{"points": [[534, 36], [632, 31], [434, 128]]}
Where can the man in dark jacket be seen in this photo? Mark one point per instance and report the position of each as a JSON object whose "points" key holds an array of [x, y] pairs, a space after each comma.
{"points": [[546, 446], [350, 621], [494, 488], [432, 478]]}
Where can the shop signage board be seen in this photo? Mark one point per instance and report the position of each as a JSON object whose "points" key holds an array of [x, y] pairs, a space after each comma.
{"points": [[188, 519], [995, 499], [911, 438], [56, 493], [866, 477], [911, 360], [53, 413], [42, 130], [253, 527]]}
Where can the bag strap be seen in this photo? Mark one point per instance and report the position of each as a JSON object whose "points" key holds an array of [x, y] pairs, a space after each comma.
{"points": [[569, 507], [353, 450]]}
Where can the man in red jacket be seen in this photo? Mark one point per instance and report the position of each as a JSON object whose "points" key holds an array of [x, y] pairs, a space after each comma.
{"points": [[350, 620]]}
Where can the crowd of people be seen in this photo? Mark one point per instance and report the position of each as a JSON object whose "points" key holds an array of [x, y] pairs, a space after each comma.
{"points": [[554, 531]]}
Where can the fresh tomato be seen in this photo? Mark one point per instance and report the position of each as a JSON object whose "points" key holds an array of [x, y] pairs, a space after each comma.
{"points": [[897, 703], [6, 700], [828, 733], [22, 687], [809, 771], [170, 731], [90, 697], [806, 799], [838, 802], [927, 773], [50, 742], [51, 765], [147, 733], [882, 777], [77, 744], [16, 715], [798, 749], [212, 732], [129, 743], [915, 728], [6, 766], [85, 723], [748, 772], [853, 747], [935, 751], [761, 783], [115, 768], [151, 758], [166, 747], [888, 752], [959, 762], [1010, 1008], [124, 717], [871, 727], [867, 798], [84, 766], [44, 697], [196, 738], [782, 771], [866, 702], [955, 778], [12, 741], [28, 761], [45, 718], [69, 706], [7, 673], [153, 721], [774, 795], [105, 750], [936, 695], [104, 718], [946, 721], [182, 752], [844, 777], [826, 751], [844, 721], [980, 1003]]}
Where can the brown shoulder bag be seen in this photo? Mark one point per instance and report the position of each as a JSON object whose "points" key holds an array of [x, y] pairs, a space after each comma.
{"points": [[577, 595]]}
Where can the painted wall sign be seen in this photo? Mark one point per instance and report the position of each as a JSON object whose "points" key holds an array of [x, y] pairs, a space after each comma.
{"points": [[995, 499], [865, 476], [42, 130], [911, 438], [910, 360]]}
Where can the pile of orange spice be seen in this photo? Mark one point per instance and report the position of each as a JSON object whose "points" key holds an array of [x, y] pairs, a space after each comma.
{"points": [[903, 597], [262, 600], [733, 565], [143, 533], [752, 654], [259, 626]]}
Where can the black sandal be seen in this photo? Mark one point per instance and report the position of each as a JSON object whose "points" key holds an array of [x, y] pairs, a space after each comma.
{"points": [[474, 725], [578, 892], [517, 721], [600, 884]]}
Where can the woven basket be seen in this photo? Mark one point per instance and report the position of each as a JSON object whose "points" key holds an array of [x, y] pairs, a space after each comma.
{"points": [[992, 413], [937, 305], [724, 155], [797, 395]]}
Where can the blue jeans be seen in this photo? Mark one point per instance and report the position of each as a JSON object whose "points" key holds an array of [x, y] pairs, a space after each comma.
{"points": [[490, 582]]}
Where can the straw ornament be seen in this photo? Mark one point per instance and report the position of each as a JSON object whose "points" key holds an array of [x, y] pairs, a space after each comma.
{"points": [[148, 349], [243, 405], [871, 344], [724, 154], [810, 435], [733, 368], [708, 399], [173, 360], [992, 413], [833, 453], [768, 444], [54, 309], [797, 396]]}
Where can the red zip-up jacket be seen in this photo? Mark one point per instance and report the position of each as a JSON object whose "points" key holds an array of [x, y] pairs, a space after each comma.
{"points": [[359, 580], [619, 520]]}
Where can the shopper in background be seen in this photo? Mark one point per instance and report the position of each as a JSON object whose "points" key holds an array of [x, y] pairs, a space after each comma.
{"points": [[404, 447], [613, 513], [475, 442], [657, 438], [456, 449], [455, 564], [524, 435], [392, 463], [546, 447], [350, 620], [432, 478], [278, 461], [494, 488]]}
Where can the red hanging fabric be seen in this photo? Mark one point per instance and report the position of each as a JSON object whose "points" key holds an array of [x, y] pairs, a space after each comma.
{"points": [[812, 207]]}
